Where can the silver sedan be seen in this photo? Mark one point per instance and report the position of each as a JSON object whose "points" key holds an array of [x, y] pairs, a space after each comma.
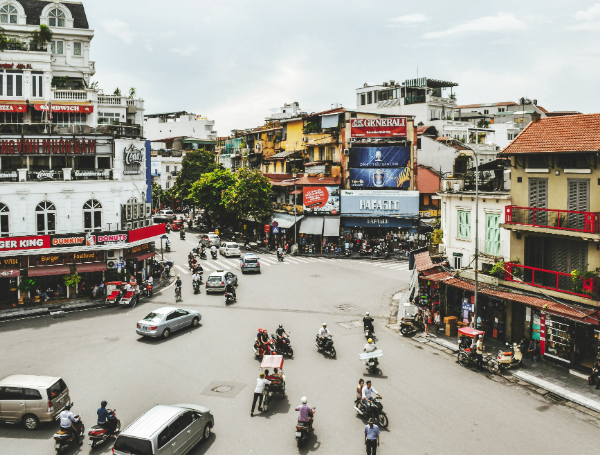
{"points": [[166, 320]]}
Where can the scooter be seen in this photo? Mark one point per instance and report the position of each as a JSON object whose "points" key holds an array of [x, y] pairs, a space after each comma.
{"points": [[365, 252], [408, 326], [284, 346], [168, 245], [147, 289], [268, 349], [98, 434], [177, 293], [213, 254], [64, 439], [280, 256], [375, 411], [302, 430], [229, 298], [202, 254], [325, 346], [196, 285], [347, 252], [182, 234], [509, 357], [370, 358]]}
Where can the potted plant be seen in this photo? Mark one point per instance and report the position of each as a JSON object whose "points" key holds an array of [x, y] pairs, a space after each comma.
{"points": [[26, 285], [72, 281], [40, 38]]}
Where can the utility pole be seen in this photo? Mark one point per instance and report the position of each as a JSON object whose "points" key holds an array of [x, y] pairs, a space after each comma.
{"points": [[476, 313]]}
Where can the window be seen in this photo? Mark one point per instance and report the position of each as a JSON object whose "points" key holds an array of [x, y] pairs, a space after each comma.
{"points": [[457, 262], [11, 393], [492, 234], [369, 97], [66, 119], [486, 111], [329, 153], [32, 394], [173, 315], [92, 216], [174, 168], [14, 83], [45, 215], [4, 222], [464, 224], [363, 98], [8, 14], [76, 48], [167, 168], [37, 83], [501, 109], [56, 18], [321, 154], [167, 185], [208, 127], [57, 47], [108, 118]]}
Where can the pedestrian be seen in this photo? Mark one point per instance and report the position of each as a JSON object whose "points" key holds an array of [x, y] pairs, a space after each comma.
{"points": [[595, 377], [427, 321], [438, 322], [479, 351], [524, 348], [372, 437], [261, 382], [531, 349], [536, 351]]}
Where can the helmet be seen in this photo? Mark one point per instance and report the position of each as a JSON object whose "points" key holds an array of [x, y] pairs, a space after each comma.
{"points": [[304, 400], [68, 406], [104, 403], [281, 326], [367, 313], [178, 276], [370, 340], [324, 324]]}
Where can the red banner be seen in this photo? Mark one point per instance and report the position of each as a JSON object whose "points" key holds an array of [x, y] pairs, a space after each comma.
{"points": [[146, 232], [68, 108], [378, 127], [13, 108], [34, 242]]}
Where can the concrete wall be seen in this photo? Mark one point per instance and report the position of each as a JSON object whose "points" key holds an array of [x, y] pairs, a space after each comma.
{"points": [[187, 125], [437, 155]]}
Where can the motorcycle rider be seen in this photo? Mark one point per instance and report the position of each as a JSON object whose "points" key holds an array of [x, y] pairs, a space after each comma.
{"points": [[305, 413], [479, 351], [367, 391], [280, 335], [67, 419], [182, 233], [280, 251], [324, 333], [195, 278], [103, 414], [368, 324], [229, 287], [213, 250], [178, 285], [370, 346]]}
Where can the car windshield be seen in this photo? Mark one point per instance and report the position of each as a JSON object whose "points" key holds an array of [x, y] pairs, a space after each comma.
{"points": [[250, 260], [232, 245], [56, 389], [215, 278], [153, 317], [133, 446]]}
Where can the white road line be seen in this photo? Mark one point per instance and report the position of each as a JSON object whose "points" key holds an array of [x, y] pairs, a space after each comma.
{"points": [[223, 266], [231, 263], [207, 265], [262, 262], [319, 260], [293, 261], [269, 260], [182, 269], [310, 259], [301, 260]]}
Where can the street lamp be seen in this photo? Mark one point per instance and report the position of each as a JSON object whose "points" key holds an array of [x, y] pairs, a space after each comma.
{"points": [[476, 235], [295, 225]]}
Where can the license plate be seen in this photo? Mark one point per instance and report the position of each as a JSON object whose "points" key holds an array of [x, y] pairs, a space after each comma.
{"points": [[298, 433], [90, 442], [57, 446], [144, 328]]}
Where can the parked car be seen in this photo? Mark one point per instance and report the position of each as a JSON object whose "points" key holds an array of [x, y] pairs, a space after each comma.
{"points": [[217, 280], [32, 399], [166, 320], [209, 240], [165, 430], [230, 249], [168, 214], [249, 263]]}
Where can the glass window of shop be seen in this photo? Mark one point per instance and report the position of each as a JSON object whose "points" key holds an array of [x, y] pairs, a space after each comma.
{"points": [[12, 163], [4, 220], [85, 162], [560, 339], [11, 118], [65, 119], [38, 163]]}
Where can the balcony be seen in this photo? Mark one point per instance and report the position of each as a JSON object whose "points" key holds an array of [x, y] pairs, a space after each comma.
{"points": [[70, 95], [551, 280], [53, 128], [559, 220], [414, 99]]}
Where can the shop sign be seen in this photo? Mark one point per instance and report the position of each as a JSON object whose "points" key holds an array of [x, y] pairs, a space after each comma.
{"points": [[109, 238], [79, 173], [89, 239], [9, 273], [380, 203], [69, 108], [133, 155], [139, 248], [84, 257], [49, 259], [379, 157], [45, 174], [19, 66], [321, 200], [24, 243], [542, 333], [378, 127], [380, 178], [60, 146], [9, 263], [380, 222], [13, 108], [8, 175]]}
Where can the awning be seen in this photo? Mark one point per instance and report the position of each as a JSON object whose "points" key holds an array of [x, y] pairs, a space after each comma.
{"points": [[9, 273], [92, 267], [285, 221], [312, 225], [332, 226], [50, 270], [298, 191], [13, 106], [141, 257], [70, 108]]}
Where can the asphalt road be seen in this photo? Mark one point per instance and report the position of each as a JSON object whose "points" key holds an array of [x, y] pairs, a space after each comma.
{"points": [[434, 405]]}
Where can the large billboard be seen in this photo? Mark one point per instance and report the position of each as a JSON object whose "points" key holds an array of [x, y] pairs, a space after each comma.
{"points": [[321, 200], [380, 178], [370, 203], [376, 157], [378, 127]]}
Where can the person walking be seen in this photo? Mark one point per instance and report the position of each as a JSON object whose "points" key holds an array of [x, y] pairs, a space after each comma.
{"points": [[372, 437], [427, 321], [261, 382], [524, 348], [479, 353], [438, 322]]}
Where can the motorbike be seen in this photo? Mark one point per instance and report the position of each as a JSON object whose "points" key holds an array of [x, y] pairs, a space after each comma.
{"points": [[182, 234], [213, 254], [99, 434], [284, 346], [202, 254], [365, 252], [167, 246], [371, 361], [326, 346], [64, 439], [269, 348], [375, 411], [302, 431], [509, 357], [177, 293], [196, 285], [147, 289], [229, 298], [280, 256], [347, 252], [467, 357], [409, 323]]}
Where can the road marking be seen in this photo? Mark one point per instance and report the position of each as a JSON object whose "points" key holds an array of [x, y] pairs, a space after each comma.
{"points": [[206, 265], [182, 269], [268, 260], [231, 263], [293, 261], [223, 266], [301, 260]]}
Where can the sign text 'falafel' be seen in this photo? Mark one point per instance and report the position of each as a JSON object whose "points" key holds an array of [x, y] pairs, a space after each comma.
{"points": [[378, 127]]}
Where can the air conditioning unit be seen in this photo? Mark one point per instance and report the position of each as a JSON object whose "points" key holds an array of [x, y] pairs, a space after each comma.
{"points": [[110, 264], [304, 139], [346, 152]]}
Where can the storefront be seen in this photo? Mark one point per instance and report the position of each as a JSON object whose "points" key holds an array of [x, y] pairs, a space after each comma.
{"points": [[282, 227], [138, 260], [320, 228], [570, 342]]}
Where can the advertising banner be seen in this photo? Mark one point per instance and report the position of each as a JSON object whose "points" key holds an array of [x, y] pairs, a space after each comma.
{"points": [[70, 108], [378, 127], [321, 200], [146, 232], [370, 203], [382, 221], [88, 239], [380, 178], [34, 242], [379, 157]]}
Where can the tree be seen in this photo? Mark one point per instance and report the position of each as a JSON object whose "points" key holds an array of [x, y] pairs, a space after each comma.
{"points": [[250, 196], [132, 92], [194, 164], [483, 123], [207, 192], [157, 194], [117, 92], [42, 36]]}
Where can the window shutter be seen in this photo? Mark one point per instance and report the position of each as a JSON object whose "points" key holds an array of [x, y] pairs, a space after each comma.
{"points": [[461, 224], [468, 225]]}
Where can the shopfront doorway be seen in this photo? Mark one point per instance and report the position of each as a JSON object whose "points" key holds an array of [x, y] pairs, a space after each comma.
{"points": [[518, 322]]}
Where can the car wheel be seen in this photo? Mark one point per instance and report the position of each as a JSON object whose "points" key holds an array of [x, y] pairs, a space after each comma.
{"points": [[195, 322], [31, 422], [166, 333], [206, 432]]}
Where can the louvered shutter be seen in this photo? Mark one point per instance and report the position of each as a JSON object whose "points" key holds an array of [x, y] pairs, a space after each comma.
{"points": [[461, 224], [467, 225], [538, 197]]}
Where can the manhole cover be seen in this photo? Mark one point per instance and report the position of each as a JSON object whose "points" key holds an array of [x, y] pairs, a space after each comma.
{"points": [[112, 339], [222, 389], [351, 324]]}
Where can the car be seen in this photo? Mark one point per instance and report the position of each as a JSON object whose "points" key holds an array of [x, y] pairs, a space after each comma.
{"points": [[216, 281], [230, 249], [210, 239], [177, 225], [166, 429], [166, 320], [250, 263], [32, 399], [168, 214]]}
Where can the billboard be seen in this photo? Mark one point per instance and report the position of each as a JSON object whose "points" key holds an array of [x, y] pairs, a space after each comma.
{"points": [[378, 127], [379, 157], [380, 178], [374, 203], [88, 239], [321, 200]]}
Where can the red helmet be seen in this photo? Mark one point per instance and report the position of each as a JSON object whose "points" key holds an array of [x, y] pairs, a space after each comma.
{"points": [[259, 330]]}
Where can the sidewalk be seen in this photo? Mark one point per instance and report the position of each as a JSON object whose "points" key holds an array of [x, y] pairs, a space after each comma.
{"points": [[567, 384], [262, 250]]}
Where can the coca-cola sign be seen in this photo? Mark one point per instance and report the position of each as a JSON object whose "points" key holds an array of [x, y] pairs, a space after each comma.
{"points": [[378, 127], [47, 174], [134, 157]]}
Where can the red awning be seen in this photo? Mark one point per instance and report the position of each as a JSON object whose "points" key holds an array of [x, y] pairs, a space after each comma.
{"points": [[80, 108], [141, 257], [296, 191], [50, 270], [13, 106], [92, 267], [9, 273]]}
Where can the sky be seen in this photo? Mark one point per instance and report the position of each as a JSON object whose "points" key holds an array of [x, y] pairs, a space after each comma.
{"points": [[237, 62]]}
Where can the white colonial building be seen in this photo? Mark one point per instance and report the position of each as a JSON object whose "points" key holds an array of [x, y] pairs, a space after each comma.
{"points": [[180, 131]]}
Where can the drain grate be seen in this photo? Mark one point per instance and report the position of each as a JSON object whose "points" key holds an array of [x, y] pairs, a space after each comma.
{"points": [[222, 389], [555, 398]]}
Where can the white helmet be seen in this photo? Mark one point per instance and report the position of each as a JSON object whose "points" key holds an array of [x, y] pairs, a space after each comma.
{"points": [[324, 324], [367, 313], [304, 400]]}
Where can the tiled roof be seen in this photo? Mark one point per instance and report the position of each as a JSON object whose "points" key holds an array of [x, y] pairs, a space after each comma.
{"points": [[572, 133], [502, 103], [542, 109], [428, 181], [33, 10], [441, 276], [282, 155], [426, 130], [287, 180], [423, 262]]}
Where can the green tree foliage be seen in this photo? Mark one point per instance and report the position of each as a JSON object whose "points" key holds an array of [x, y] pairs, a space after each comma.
{"points": [[194, 164], [249, 196], [207, 192], [42, 36]]}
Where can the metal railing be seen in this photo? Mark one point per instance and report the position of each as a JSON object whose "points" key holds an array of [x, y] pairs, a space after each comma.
{"points": [[111, 100], [565, 220], [549, 279], [92, 174], [414, 99]]}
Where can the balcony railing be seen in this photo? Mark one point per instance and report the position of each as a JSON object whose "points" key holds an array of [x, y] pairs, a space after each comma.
{"points": [[111, 100], [414, 99], [549, 279], [564, 220], [53, 128], [74, 95]]}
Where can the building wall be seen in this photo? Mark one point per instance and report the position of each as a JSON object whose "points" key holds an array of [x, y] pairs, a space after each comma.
{"points": [[437, 155], [166, 179], [186, 126], [295, 134]]}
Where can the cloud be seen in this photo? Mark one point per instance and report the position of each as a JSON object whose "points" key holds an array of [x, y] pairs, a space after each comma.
{"points": [[498, 23], [588, 20], [148, 46], [410, 20], [187, 51], [170, 34], [119, 29]]}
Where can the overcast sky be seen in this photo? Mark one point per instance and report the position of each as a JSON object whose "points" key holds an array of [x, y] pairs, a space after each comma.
{"points": [[238, 61]]}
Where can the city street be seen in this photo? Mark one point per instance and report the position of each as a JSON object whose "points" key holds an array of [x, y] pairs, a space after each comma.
{"points": [[434, 405]]}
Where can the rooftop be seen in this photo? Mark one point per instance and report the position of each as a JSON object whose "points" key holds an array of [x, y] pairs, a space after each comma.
{"points": [[475, 106], [33, 10], [428, 181]]}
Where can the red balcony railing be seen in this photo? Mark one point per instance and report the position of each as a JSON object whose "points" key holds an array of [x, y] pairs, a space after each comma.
{"points": [[549, 279], [565, 220]]}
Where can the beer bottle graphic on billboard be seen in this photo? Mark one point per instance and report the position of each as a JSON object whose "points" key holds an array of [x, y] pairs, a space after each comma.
{"points": [[379, 178]]}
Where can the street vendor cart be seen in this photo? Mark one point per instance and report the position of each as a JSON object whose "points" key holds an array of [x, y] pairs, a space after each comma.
{"points": [[268, 365]]}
